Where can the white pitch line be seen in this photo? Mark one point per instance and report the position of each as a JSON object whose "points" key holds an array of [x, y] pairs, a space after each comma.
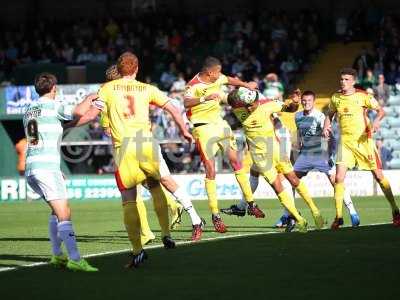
{"points": [[182, 243]]}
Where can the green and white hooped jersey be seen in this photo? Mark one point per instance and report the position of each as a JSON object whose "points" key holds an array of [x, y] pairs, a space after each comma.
{"points": [[43, 130]]}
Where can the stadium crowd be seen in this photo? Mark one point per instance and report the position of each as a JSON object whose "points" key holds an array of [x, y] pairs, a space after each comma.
{"points": [[272, 49], [250, 45]]}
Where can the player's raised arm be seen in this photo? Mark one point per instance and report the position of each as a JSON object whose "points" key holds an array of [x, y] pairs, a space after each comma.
{"points": [[293, 104], [85, 105], [237, 82]]}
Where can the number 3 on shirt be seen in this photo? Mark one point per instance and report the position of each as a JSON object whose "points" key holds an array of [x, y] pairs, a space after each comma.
{"points": [[129, 106]]}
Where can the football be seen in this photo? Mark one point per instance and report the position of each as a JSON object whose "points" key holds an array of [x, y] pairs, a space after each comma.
{"points": [[247, 96]]}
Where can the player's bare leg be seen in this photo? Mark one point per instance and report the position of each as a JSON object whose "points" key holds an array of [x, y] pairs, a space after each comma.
{"points": [[170, 184], [387, 191], [355, 219], [243, 181]]}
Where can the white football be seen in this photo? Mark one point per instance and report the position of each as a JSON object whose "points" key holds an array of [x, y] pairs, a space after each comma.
{"points": [[247, 96]]}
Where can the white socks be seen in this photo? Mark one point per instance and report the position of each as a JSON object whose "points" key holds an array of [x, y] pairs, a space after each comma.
{"points": [[67, 235], [349, 204], [180, 196], [55, 240]]}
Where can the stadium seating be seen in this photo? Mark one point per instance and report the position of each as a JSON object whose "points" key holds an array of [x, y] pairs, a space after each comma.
{"points": [[394, 145], [396, 154], [394, 163], [394, 100]]}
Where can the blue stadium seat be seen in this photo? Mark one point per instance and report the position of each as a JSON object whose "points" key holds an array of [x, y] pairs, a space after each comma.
{"points": [[394, 100], [394, 163], [388, 142], [395, 108], [394, 145], [396, 154], [391, 111], [393, 122], [387, 133]]}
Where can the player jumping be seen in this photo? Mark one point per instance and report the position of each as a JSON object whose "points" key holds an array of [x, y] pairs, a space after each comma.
{"points": [[211, 132], [265, 151]]}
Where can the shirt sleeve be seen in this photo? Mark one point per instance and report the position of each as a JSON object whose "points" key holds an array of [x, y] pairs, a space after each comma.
{"points": [[321, 120], [190, 91], [276, 106], [296, 119], [103, 94], [370, 102], [332, 105], [158, 98], [104, 120], [223, 79]]}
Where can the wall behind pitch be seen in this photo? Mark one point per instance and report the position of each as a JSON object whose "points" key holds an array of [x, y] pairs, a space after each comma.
{"points": [[359, 183]]}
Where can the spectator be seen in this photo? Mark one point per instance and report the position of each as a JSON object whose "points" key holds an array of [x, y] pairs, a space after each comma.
{"points": [[385, 153], [68, 53], [238, 66], [99, 55], [365, 59], [168, 77], [273, 88], [112, 29], [161, 41], [158, 131], [382, 91], [179, 84], [84, 57], [172, 132], [392, 74], [369, 81], [289, 68], [361, 70], [175, 40], [341, 27]]}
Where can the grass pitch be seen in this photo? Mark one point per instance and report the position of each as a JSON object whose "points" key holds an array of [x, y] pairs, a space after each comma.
{"points": [[252, 260]]}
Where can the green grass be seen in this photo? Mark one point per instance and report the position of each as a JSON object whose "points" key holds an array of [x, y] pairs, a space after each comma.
{"points": [[361, 263]]}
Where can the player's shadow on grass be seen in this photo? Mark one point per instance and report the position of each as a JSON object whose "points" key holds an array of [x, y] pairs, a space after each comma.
{"points": [[80, 238], [22, 257], [104, 239], [23, 239]]}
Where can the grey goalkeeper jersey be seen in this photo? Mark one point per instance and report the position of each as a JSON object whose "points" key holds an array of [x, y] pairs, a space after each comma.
{"points": [[43, 130]]}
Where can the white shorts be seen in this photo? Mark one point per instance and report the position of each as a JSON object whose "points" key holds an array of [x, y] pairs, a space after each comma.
{"points": [[164, 170], [306, 163], [48, 184]]}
